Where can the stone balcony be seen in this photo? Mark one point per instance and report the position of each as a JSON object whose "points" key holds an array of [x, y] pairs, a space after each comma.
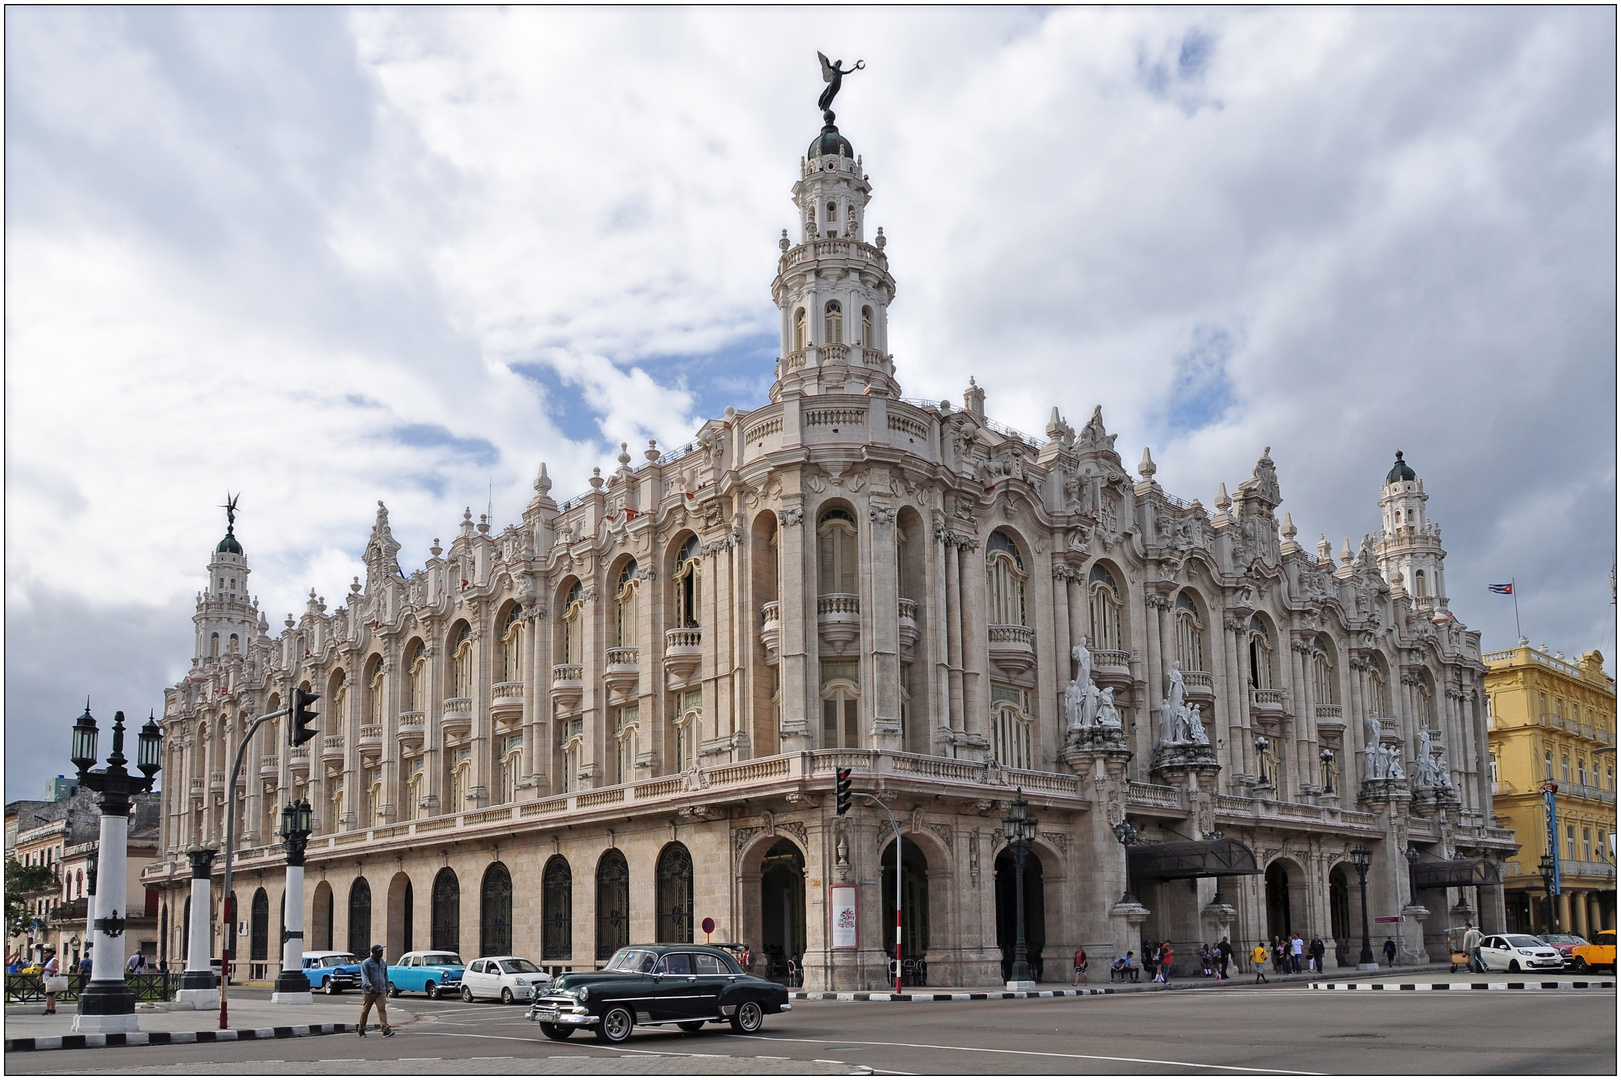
{"points": [[1013, 648], [457, 718], [1267, 701], [568, 686], [332, 749], [1199, 685], [683, 654], [623, 669], [506, 701], [908, 629], [198, 786], [411, 729], [298, 759], [1330, 717], [838, 621], [370, 740], [269, 766], [771, 630], [216, 781], [1111, 667]]}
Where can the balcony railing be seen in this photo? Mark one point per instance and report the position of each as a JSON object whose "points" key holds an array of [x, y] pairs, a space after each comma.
{"points": [[838, 604], [1194, 681], [685, 637], [1009, 634], [458, 708], [507, 693], [624, 656], [770, 612], [268, 766], [370, 740], [1266, 699], [1114, 659], [197, 785], [298, 757], [1155, 795], [908, 609], [411, 726], [1333, 714], [567, 673], [332, 748]]}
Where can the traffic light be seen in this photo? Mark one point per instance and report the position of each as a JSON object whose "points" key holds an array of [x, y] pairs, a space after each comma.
{"points": [[841, 792], [302, 715]]}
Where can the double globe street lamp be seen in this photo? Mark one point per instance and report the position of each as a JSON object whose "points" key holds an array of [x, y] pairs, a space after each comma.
{"points": [[292, 986], [1019, 830], [108, 1004]]}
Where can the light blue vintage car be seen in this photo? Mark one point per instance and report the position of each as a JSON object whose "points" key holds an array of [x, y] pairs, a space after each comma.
{"points": [[433, 972]]}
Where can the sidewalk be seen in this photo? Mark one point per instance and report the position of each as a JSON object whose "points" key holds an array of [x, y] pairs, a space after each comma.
{"points": [[251, 1017]]}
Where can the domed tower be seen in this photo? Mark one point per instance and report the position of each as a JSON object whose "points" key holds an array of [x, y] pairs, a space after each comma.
{"points": [[1409, 546], [833, 287], [226, 619]]}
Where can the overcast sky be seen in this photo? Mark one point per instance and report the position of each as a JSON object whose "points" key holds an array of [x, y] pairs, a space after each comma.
{"points": [[325, 257]]}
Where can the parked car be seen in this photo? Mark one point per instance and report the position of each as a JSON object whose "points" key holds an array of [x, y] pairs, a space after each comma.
{"points": [[1564, 943], [1519, 952], [685, 985], [510, 978], [332, 972], [1599, 954], [432, 972]]}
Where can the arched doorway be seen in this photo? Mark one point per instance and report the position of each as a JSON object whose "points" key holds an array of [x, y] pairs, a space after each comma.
{"points": [[1339, 915], [495, 912], [557, 910], [259, 934], [447, 912], [613, 903], [1278, 922], [400, 916], [914, 910], [782, 912], [1035, 911], [675, 893], [360, 918], [321, 917]]}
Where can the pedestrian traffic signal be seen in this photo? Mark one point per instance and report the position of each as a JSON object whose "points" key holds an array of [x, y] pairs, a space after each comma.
{"points": [[302, 715], [841, 792]]}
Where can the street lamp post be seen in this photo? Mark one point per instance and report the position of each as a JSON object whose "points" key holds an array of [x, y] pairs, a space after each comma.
{"points": [[292, 987], [108, 1004], [1127, 834], [1550, 912], [1019, 829], [1361, 859], [1326, 756], [1261, 744]]}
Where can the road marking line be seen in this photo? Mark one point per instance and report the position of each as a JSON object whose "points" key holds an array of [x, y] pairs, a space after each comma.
{"points": [[1053, 1054]]}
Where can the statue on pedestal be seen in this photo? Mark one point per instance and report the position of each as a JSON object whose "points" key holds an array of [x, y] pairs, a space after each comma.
{"points": [[1179, 724]]}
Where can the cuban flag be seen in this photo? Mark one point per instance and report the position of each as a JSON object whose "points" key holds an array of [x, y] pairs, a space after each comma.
{"points": [[1502, 590]]}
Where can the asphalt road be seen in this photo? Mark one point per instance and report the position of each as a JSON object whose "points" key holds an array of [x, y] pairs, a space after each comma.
{"points": [[1226, 1031]]}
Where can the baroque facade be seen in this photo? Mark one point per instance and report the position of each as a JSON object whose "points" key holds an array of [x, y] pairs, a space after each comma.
{"points": [[624, 712]]}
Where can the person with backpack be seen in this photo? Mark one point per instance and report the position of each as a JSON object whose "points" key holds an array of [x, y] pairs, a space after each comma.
{"points": [[1390, 953]]}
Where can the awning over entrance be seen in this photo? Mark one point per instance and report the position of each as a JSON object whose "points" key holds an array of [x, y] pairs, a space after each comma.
{"points": [[1190, 859], [1443, 872]]}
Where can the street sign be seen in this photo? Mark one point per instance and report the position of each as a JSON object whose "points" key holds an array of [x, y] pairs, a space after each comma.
{"points": [[1387, 918], [708, 927]]}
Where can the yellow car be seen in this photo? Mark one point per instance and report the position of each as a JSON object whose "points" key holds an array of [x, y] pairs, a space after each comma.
{"points": [[1600, 954], [32, 969]]}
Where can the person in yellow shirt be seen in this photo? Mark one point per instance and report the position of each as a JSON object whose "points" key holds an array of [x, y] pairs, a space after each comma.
{"points": [[1258, 954]]}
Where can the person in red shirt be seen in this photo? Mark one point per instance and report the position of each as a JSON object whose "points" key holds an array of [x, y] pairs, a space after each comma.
{"points": [[1165, 958], [1080, 967]]}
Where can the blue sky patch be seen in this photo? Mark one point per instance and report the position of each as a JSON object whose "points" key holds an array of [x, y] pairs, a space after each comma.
{"points": [[1202, 390], [479, 451]]}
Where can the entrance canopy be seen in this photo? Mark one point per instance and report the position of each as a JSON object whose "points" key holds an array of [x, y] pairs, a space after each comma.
{"points": [[1190, 859], [1443, 872]]}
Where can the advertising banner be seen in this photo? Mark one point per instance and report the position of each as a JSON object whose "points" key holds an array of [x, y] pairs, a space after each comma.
{"points": [[842, 904]]}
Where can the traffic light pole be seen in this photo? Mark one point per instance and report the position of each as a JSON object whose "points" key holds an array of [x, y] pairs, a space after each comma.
{"points": [[893, 823], [226, 907]]}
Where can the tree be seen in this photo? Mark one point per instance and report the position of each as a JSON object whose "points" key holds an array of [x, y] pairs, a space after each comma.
{"points": [[25, 883]]}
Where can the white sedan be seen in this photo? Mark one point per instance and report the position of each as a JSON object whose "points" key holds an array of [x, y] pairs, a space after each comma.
{"points": [[510, 978], [1519, 952]]}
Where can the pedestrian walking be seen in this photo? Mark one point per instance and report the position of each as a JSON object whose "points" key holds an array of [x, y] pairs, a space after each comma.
{"points": [[1259, 956], [1080, 966], [50, 973], [1224, 953], [84, 965], [374, 991], [1280, 962], [1471, 945], [1297, 948], [1318, 951], [1165, 958], [1390, 953]]}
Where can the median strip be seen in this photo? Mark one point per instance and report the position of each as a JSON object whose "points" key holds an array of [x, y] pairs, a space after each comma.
{"points": [[1579, 984], [96, 1041], [959, 995]]}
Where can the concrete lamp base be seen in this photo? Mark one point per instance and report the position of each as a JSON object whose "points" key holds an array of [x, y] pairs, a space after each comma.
{"points": [[1020, 984], [293, 997], [106, 1022], [197, 999], [1367, 967]]}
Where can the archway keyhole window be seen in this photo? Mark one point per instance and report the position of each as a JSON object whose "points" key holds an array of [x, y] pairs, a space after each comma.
{"points": [[625, 596], [512, 645], [1325, 686], [836, 552], [914, 900], [571, 626], [414, 789], [833, 212], [234, 644], [866, 327], [557, 910], [1420, 587], [613, 904], [674, 889], [833, 323], [1106, 608], [213, 645], [1012, 727], [461, 662], [1005, 575], [800, 331], [1260, 651], [446, 921], [495, 912], [687, 577], [1189, 634]]}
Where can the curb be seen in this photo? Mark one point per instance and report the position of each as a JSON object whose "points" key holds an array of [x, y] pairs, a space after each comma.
{"points": [[1574, 985], [171, 1038], [975, 995]]}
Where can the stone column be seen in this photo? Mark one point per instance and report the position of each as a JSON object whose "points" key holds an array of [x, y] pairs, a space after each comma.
{"points": [[881, 628], [976, 646], [292, 988], [1563, 913], [1578, 913], [796, 596], [107, 1003], [953, 633], [197, 984], [1155, 675]]}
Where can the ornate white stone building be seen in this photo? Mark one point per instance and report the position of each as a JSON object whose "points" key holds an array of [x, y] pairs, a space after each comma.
{"points": [[624, 712]]}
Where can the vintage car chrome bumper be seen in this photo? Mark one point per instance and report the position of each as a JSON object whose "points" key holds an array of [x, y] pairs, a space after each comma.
{"points": [[572, 1014]]}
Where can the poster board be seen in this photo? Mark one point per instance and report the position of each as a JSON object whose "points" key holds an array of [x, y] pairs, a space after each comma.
{"points": [[844, 923]]}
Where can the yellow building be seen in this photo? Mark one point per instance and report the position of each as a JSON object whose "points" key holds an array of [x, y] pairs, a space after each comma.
{"points": [[1551, 720]]}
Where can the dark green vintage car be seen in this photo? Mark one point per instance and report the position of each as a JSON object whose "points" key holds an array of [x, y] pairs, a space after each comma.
{"points": [[685, 985]]}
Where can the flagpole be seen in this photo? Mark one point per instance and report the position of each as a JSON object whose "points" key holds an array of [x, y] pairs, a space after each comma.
{"points": [[1514, 591]]}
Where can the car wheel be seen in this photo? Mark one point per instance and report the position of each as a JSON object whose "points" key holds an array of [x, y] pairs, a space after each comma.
{"points": [[556, 1031], [1580, 965], [748, 1018], [393, 991], [467, 994], [615, 1026], [691, 1025], [506, 995], [328, 986], [1514, 966], [431, 990]]}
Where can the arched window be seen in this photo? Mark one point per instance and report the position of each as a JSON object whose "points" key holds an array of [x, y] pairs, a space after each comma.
{"points": [[335, 799], [832, 212], [415, 773], [799, 330], [556, 910], [1260, 654], [213, 645], [1004, 570], [511, 763], [1107, 605], [625, 594], [416, 674], [1379, 689], [461, 662], [512, 646], [459, 777], [613, 904], [1419, 587], [689, 711], [234, 646], [374, 796], [1189, 634], [686, 578], [1325, 687], [338, 695], [360, 917], [866, 327], [841, 706], [625, 743], [447, 912], [495, 912], [571, 626], [1426, 705], [833, 323], [1011, 726], [572, 750], [836, 552], [675, 894], [259, 932]]}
